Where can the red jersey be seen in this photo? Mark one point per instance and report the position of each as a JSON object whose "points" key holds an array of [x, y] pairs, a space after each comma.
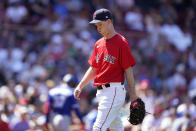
{"points": [[111, 57]]}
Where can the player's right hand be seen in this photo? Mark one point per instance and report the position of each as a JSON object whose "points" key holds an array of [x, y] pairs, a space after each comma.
{"points": [[77, 92]]}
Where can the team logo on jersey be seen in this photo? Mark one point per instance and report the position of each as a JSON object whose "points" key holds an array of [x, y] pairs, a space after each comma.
{"points": [[109, 58], [97, 58]]}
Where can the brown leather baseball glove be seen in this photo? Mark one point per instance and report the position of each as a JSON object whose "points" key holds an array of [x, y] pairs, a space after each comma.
{"points": [[137, 112]]}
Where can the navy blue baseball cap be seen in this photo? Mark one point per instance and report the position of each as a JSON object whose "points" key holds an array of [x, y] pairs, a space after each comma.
{"points": [[101, 15], [69, 78]]}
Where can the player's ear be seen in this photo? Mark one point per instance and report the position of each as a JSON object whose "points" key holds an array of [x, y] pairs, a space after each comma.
{"points": [[108, 21]]}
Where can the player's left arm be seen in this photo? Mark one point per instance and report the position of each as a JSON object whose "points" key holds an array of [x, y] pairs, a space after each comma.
{"points": [[131, 83], [75, 107]]}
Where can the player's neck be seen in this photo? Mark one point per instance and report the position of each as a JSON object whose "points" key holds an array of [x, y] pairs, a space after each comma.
{"points": [[110, 34]]}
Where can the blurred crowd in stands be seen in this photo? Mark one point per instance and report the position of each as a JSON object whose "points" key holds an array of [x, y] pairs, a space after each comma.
{"points": [[42, 40]]}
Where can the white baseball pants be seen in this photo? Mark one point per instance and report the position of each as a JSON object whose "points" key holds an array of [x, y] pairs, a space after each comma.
{"points": [[111, 100], [60, 122]]}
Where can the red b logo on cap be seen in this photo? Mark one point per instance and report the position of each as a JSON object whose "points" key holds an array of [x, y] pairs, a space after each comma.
{"points": [[94, 15]]}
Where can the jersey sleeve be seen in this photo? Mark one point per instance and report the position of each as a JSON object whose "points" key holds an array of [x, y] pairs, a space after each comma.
{"points": [[92, 60], [126, 58], [74, 102]]}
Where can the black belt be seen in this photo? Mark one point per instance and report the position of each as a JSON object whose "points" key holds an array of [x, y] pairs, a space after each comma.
{"points": [[106, 85]]}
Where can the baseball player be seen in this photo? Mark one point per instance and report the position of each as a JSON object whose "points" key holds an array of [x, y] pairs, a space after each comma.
{"points": [[109, 62], [60, 102]]}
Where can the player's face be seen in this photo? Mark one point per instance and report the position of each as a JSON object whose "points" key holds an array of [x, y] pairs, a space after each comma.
{"points": [[102, 27]]}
